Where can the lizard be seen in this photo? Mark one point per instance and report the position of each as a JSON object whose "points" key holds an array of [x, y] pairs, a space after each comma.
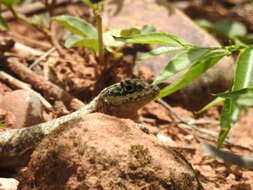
{"points": [[122, 99]]}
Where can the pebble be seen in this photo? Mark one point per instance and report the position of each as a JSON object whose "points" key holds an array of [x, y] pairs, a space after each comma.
{"points": [[24, 107]]}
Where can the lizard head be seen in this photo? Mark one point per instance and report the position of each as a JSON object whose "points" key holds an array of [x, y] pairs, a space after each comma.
{"points": [[125, 98]]}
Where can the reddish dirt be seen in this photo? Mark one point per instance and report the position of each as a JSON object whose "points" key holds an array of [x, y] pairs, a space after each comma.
{"points": [[78, 76]]}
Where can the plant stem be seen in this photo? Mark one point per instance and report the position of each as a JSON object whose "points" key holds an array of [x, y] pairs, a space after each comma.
{"points": [[29, 22], [99, 25]]}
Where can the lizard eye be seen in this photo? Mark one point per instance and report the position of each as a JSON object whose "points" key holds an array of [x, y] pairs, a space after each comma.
{"points": [[129, 88]]}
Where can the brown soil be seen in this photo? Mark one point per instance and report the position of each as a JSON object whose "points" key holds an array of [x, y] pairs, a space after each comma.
{"points": [[79, 76]]}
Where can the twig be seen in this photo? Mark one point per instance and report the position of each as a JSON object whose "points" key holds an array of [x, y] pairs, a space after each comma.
{"points": [[187, 123], [30, 41], [203, 121], [34, 7], [26, 50], [99, 26], [26, 20], [55, 41], [41, 84], [42, 57], [9, 79], [185, 126], [6, 44]]}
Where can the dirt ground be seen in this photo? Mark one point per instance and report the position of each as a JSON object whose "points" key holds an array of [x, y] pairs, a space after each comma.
{"points": [[78, 74]]}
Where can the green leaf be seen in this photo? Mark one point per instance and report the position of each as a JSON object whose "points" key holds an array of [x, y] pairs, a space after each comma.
{"points": [[244, 70], [248, 39], [109, 41], [2, 123], [243, 97], [129, 32], [76, 26], [79, 41], [235, 94], [245, 100], [3, 24], [9, 2], [228, 117], [148, 28], [238, 42], [159, 51], [36, 20], [243, 79], [230, 28], [204, 23], [194, 72], [73, 40], [180, 62], [154, 38], [89, 4], [211, 104]]}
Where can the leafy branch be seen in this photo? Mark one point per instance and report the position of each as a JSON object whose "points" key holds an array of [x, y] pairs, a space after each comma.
{"points": [[197, 60]]}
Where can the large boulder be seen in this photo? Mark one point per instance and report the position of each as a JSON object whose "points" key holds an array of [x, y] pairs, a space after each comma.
{"points": [[98, 151]]}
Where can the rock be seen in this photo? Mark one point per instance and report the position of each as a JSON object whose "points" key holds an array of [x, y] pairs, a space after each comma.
{"points": [[7, 119], [132, 13], [98, 151], [26, 108], [8, 184], [1, 97]]}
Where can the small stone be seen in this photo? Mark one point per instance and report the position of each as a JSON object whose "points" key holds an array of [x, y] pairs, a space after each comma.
{"points": [[8, 184], [207, 167], [25, 107], [1, 97], [164, 138], [189, 137], [7, 119]]}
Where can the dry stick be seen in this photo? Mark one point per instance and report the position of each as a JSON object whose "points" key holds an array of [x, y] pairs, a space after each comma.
{"points": [[26, 50], [26, 20], [41, 84], [203, 121], [32, 8], [55, 41], [53, 29], [43, 56], [29, 41], [11, 80], [185, 125], [7, 43], [48, 34]]}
